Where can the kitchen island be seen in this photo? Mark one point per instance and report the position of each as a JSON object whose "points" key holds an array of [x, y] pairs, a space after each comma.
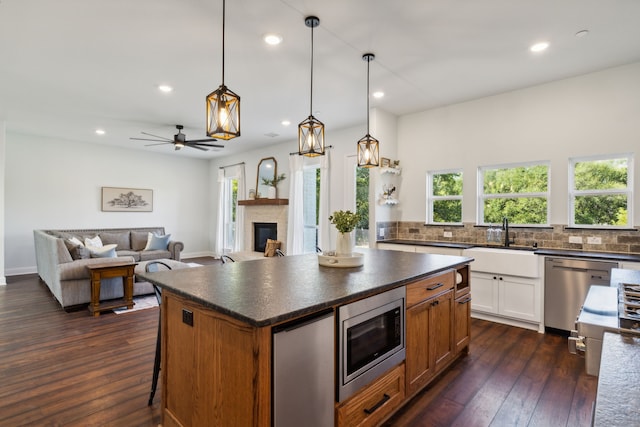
{"points": [[217, 325]]}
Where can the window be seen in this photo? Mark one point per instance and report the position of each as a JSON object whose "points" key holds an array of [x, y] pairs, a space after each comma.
{"points": [[230, 205], [444, 197], [311, 209], [518, 192], [362, 206], [601, 191]]}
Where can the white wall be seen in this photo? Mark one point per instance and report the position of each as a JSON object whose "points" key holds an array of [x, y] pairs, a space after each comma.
{"points": [[54, 184], [587, 115]]}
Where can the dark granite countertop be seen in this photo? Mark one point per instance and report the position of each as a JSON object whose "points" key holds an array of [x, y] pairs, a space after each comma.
{"points": [[618, 396], [537, 251], [268, 291]]}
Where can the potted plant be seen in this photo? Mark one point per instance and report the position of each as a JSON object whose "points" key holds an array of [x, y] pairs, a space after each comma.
{"points": [[273, 184], [345, 222]]}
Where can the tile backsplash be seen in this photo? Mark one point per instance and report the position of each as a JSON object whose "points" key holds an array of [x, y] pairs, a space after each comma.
{"points": [[557, 236]]}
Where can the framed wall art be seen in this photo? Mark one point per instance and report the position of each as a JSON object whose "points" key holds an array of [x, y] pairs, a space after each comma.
{"points": [[116, 199]]}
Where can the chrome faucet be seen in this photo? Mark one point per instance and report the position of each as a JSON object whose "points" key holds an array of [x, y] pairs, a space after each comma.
{"points": [[505, 227]]}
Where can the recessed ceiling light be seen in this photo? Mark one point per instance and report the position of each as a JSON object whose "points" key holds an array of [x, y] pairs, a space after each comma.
{"points": [[285, 123], [273, 39], [165, 88], [582, 33], [100, 132], [539, 47], [378, 94]]}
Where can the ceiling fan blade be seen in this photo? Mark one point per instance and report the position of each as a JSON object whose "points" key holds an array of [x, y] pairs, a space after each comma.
{"points": [[156, 136], [146, 139], [202, 140], [206, 145], [196, 147], [162, 143]]}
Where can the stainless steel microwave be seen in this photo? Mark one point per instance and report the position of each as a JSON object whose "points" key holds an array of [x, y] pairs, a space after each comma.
{"points": [[371, 339]]}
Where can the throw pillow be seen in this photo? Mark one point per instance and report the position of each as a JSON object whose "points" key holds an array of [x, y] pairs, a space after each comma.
{"points": [[76, 249], [95, 242], [106, 251], [76, 241], [157, 243]]}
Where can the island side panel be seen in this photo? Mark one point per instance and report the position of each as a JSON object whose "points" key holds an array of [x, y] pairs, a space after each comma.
{"points": [[217, 370]]}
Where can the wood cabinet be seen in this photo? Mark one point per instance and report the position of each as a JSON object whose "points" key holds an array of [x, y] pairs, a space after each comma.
{"points": [[462, 323], [374, 402], [215, 367], [429, 329]]}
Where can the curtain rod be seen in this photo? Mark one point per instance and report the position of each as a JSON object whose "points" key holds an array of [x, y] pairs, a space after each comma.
{"points": [[228, 166], [296, 152]]}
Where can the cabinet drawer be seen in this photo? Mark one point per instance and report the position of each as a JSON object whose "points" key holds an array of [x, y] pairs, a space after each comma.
{"points": [[429, 287], [375, 402]]}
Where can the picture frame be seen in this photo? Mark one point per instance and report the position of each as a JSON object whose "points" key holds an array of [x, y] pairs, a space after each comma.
{"points": [[119, 199], [384, 162]]}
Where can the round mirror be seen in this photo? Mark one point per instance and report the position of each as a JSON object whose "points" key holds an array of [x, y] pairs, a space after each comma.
{"points": [[267, 172]]}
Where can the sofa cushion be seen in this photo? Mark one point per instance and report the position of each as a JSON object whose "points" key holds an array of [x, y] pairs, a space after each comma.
{"points": [[120, 238], [156, 242], [106, 251], [149, 255], [139, 240], [129, 252]]}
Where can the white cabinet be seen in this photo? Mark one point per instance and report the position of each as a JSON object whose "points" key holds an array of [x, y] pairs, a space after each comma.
{"points": [[396, 247], [630, 265], [438, 250], [513, 299]]}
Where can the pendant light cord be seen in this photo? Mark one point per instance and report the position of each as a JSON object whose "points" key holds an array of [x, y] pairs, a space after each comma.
{"points": [[223, 27], [311, 97], [368, 64]]}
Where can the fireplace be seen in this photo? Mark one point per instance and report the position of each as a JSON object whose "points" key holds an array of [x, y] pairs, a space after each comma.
{"points": [[263, 231], [263, 213]]}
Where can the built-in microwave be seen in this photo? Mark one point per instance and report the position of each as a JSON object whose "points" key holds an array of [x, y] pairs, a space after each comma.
{"points": [[371, 339]]}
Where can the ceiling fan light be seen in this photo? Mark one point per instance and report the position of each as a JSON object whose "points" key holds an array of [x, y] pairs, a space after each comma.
{"points": [[223, 114], [311, 137], [368, 152]]}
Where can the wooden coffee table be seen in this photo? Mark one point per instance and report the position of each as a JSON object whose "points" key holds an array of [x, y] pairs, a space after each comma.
{"points": [[98, 272]]}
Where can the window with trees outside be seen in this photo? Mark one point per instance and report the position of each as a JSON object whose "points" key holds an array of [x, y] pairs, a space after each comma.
{"points": [[444, 197], [362, 206], [230, 205], [601, 191], [311, 207], [519, 192]]}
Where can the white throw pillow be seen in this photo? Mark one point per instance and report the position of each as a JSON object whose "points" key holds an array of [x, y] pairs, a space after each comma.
{"points": [[96, 242], [106, 251], [76, 241]]}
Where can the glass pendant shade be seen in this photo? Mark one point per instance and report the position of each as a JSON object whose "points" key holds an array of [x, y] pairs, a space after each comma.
{"points": [[368, 147], [223, 114], [311, 130], [368, 152], [223, 106], [311, 137]]}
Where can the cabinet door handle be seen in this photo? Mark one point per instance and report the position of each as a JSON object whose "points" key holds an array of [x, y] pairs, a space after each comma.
{"points": [[436, 302], [464, 301], [382, 401], [436, 286]]}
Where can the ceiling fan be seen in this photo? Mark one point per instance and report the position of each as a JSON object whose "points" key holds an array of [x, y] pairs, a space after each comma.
{"points": [[180, 140]]}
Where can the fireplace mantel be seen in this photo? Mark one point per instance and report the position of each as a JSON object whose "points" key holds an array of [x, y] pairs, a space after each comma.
{"points": [[263, 202]]}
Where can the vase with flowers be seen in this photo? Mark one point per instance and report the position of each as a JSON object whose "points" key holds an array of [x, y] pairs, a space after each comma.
{"points": [[345, 222]]}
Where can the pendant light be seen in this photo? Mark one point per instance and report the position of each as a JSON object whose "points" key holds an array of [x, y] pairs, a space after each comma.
{"points": [[223, 106], [368, 147], [311, 130]]}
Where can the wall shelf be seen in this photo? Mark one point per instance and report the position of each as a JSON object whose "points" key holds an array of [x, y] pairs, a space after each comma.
{"points": [[391, 170], [263, 202]]}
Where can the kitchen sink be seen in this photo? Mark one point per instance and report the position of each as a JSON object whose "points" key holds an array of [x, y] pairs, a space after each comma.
{"points": [[517, 261]]}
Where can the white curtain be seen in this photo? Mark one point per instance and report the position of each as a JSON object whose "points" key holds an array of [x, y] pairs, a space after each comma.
{"points": [[324, 240], [242, 195], [295, 229], [219, 242]]}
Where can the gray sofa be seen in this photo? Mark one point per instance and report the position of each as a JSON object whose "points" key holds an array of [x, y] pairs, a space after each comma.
{"points": [[67, 276]]}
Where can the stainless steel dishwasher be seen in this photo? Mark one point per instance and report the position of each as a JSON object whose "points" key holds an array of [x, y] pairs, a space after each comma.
{"points": [[566, 284], [304, 372]]}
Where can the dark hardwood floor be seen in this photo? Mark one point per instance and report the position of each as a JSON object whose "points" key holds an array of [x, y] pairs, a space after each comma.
{"points": [[69, 369]]}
